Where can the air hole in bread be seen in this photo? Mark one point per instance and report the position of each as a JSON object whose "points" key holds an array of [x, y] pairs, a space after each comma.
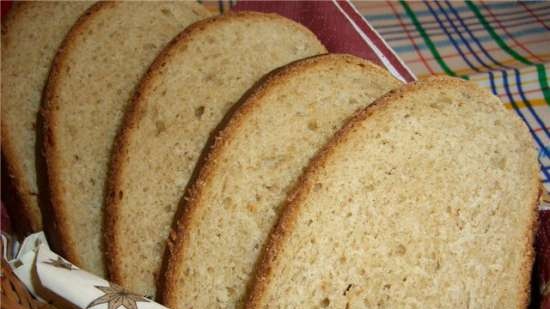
{"points": [[199, 111], [317, 187], [150, 46], [160, 126], [347, 289], [312, 125], [231, 291], [400, 250], [342, 260], [167, 12]]}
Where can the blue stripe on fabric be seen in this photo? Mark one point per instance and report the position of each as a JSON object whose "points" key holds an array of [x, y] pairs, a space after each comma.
{"points": [[492, 82], [470, 19], [496, 6], [409, 48], [451, 39], [518, 111], [485, 52], [528, 105]]}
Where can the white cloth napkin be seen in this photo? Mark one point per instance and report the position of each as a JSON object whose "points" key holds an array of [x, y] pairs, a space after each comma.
{"points": [[42, 271]]}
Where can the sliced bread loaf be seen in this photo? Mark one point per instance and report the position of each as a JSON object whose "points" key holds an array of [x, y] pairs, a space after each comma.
{"points": [[426, 199], [182, 98], [31, 34], [255, 158], [92, 79]]}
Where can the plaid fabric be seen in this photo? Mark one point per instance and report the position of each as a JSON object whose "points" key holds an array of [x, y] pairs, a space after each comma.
{"points": [[502, 46]]}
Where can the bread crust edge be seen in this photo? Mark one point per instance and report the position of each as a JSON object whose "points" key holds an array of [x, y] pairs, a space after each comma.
{"points": [[23, 207], [229, 127], [274, 245], [131, 120], [54, 207]]}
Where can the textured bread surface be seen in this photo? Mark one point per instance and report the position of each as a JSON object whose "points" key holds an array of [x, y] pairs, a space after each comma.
{"points": [[185, 94], [426, 199], [255, 159], [31, 34], [92, 79]]}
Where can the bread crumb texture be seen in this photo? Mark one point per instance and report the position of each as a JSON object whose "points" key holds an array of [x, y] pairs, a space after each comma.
{"points": [[98, 68], [255, 161], [425, 200], [31, 34], [191, 86]]}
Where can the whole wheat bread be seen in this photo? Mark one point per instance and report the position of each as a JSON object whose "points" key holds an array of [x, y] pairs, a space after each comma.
{"points": [[31, 34], [182, 98], [92, 79], [426, 199], [256, 157]]}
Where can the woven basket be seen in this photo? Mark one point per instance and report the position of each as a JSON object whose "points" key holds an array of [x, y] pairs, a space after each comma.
{"points": [[14, 294]]}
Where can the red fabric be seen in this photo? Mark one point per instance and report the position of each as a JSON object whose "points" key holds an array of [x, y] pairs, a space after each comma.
{"points": [[330, 21], [5, 6]]}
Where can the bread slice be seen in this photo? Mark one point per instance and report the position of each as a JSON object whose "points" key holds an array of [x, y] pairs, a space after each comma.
{"points": [[182, 98], [92, 79], [426, 199], [256, 157], [31, 34]]}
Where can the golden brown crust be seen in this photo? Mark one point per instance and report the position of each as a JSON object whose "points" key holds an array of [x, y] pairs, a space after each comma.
{"points": [[21, 207], [288, 217], [129, 122], [228, 128], [57, 226], [132, 117]]}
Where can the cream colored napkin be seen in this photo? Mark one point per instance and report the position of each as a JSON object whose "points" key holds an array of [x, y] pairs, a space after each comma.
{"points": [[42, 271]]}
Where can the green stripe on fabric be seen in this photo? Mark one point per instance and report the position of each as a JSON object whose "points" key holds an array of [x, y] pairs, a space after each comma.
{"points": [[500, 42], [543, 80], [427, 40]]}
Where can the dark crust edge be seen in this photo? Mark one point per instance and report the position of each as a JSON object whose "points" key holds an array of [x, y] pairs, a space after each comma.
{"points": [[529, 258], [178, 240], [20, 205], [56, 227], [131, 120], [281, 231]]}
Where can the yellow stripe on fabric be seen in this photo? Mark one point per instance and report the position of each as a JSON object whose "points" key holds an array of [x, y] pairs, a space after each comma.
{"points": [[467, 71], [537, 102]]}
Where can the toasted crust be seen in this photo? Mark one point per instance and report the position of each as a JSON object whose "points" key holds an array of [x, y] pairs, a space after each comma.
{"points": [[131, 120], [178, 240], [55, 229], [287, 219]]}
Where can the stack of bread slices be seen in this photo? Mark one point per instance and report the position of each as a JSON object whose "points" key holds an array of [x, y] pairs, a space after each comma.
{"points": [[231, 162]]}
